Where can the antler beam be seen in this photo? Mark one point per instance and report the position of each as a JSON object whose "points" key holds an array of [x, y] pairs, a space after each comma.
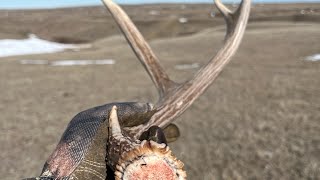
{"points": [[175, 99], [141, 48]]}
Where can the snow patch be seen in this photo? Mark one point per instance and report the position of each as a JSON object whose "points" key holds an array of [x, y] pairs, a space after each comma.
{"points": [[69, 62], [213, 14], [154, 12], [32, 45], [37, 62], [183, 20], [315, 57], [187, 66]]}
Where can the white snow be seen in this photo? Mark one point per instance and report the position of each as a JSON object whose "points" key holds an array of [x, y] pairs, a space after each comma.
{"points": [[81, 62], [32, 45], [213, 14], [154, 12], [69, 62], [315, 57], [35, 45], [183, 20], [37, 62], [187, 66]]}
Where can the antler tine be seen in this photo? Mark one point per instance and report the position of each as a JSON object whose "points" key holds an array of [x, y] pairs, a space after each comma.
{"points": [[183, 96], [141, 48], [229, 16]]}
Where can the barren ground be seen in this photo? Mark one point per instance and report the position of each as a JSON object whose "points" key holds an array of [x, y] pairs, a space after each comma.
{"points": [[259, 120]]}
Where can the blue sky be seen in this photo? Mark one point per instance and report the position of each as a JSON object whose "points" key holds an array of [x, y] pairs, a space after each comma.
{"points": [[17, 4]]}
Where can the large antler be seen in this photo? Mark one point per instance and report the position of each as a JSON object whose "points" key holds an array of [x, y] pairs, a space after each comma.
{"points": [[176, 98]]}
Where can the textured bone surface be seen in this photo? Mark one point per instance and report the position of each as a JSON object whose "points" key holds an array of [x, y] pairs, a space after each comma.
{"points": [[140, 159], [150, 160]]}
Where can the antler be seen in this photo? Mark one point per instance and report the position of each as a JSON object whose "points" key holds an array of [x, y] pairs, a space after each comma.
{"points": [[175, 98], [141, 48]]}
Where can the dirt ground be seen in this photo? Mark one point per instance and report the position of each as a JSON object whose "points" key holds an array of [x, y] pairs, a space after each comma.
{"points": [[259, 120]]}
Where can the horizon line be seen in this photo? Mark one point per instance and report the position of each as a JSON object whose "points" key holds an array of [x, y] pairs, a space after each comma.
{"points": [[64, 4]]}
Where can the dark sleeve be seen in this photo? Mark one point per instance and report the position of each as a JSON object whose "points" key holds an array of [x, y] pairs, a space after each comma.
{"points": [[81, 131]]}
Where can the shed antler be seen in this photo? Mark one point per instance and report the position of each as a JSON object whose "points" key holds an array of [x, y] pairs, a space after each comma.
{"points": [[175, 98], [86, 142]]}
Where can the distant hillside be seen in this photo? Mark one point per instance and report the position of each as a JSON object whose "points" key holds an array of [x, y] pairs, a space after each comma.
{"points": [[79, 25]]}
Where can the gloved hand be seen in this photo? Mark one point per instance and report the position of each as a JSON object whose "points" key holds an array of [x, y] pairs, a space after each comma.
{"points": [[81, 152]]}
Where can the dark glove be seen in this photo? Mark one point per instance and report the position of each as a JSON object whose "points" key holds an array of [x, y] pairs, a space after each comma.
{"points": [[81, 152]]}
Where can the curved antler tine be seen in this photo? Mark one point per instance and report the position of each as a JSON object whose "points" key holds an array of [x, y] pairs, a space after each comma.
{"points": [[141, 48], [227, 14], [222, 8], [230, 17]]}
